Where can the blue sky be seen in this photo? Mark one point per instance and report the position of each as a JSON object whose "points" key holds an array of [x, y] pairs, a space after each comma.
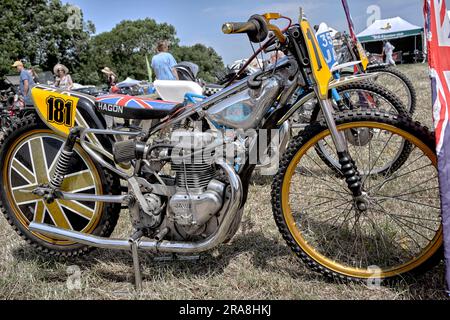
{"points": [[200, 21]]}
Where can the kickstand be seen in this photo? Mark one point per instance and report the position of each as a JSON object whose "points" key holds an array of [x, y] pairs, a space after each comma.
{"points": [[134, 245]]}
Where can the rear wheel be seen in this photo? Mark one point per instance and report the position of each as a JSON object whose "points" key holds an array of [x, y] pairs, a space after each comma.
{"points": [[401, 231], [29, 152], [396, 81]]}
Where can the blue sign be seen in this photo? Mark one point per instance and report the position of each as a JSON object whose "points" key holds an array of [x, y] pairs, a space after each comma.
{"points": [[326, 45]]}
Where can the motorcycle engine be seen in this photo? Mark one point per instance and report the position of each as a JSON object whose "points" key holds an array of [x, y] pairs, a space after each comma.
{"points": [[199, 196]]}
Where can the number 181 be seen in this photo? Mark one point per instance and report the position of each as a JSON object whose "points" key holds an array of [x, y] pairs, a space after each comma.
{"points": [[59, 111]]}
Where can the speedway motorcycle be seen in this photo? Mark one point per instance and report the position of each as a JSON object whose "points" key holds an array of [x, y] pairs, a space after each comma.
{"points": [[62, 170]]}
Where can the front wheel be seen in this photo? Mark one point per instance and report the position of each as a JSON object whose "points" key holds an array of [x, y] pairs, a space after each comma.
{"points": [[401, 230], [28, 154]]}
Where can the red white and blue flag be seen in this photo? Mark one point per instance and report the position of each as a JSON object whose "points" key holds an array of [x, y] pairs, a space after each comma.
{"points": [[135, 102], [437, 28]]}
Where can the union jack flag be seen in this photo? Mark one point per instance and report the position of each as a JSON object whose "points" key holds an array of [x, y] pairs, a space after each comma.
{"points": [[135, 102], [437, 27]]}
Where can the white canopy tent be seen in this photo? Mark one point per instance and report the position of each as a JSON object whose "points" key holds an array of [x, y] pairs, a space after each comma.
{"points": [[406, 37], [392, 28]]}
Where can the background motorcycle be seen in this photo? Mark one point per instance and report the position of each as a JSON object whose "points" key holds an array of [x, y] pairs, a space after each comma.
{"points": [[389, 77], [12, 105]]}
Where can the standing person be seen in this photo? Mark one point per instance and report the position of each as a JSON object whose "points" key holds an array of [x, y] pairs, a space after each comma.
{"points": [[26, 82], [63, 78], [112, 78], [388, 49], [163, 63]]}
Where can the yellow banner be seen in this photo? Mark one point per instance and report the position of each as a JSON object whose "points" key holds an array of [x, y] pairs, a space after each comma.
{"points": [[362, 55]]}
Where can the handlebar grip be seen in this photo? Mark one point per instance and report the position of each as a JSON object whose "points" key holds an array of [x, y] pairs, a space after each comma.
{"points": [[256, 28], [239, 27]]}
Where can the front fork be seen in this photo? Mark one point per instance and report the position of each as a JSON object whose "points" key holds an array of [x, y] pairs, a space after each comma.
{"points": [[348, 166]]}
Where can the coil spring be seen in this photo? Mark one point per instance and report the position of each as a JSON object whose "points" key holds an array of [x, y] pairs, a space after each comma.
{"points": [[351, 175], [62, 167]]}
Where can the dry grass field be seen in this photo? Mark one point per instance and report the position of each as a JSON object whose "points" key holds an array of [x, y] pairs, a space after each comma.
{"points": [[257, 264]]}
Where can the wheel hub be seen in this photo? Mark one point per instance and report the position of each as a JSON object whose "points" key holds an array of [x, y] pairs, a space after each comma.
{"points": [[359, 137], [362, 202]]}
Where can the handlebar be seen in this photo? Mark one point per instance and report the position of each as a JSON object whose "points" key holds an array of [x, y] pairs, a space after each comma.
{"points": [[257, 27]]}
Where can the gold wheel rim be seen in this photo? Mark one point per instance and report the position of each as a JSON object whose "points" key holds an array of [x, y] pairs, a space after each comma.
{"points": [[330, 264], [39, 171]]}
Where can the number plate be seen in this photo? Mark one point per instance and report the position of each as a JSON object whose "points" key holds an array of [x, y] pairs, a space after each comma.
{"points": [[326, 45], [55, 109], [321, 71]]}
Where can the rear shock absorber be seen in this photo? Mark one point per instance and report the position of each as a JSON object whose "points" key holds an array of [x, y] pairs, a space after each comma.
{"points": [[62, 165]]}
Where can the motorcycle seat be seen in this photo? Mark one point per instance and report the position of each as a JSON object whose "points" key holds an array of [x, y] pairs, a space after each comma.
{"points": [[132, 107], [176, 90]]}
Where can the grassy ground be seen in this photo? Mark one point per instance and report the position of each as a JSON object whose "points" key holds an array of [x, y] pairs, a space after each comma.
{"points": [[255, 265]]}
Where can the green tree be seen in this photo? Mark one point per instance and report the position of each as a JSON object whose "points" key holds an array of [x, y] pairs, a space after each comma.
{"points": [[42, 32], [206, 58], [123, 49], [46, 32]]}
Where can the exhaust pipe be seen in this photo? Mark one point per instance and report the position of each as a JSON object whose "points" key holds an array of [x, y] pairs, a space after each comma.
{"points": [[159, 246]]}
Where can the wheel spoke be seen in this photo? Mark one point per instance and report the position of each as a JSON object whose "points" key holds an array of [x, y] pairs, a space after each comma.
{"points": [[414, 223], [23, 171], [396, 176], [78, 208], [378, 158], [39, 162], [79, 181], [58, 216], [400, 222], [337, 207], [323, 170], [411, 193], [39, 211], [413, 202], [417, 218], [327, 182], [54, 162], [22, 195]]}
